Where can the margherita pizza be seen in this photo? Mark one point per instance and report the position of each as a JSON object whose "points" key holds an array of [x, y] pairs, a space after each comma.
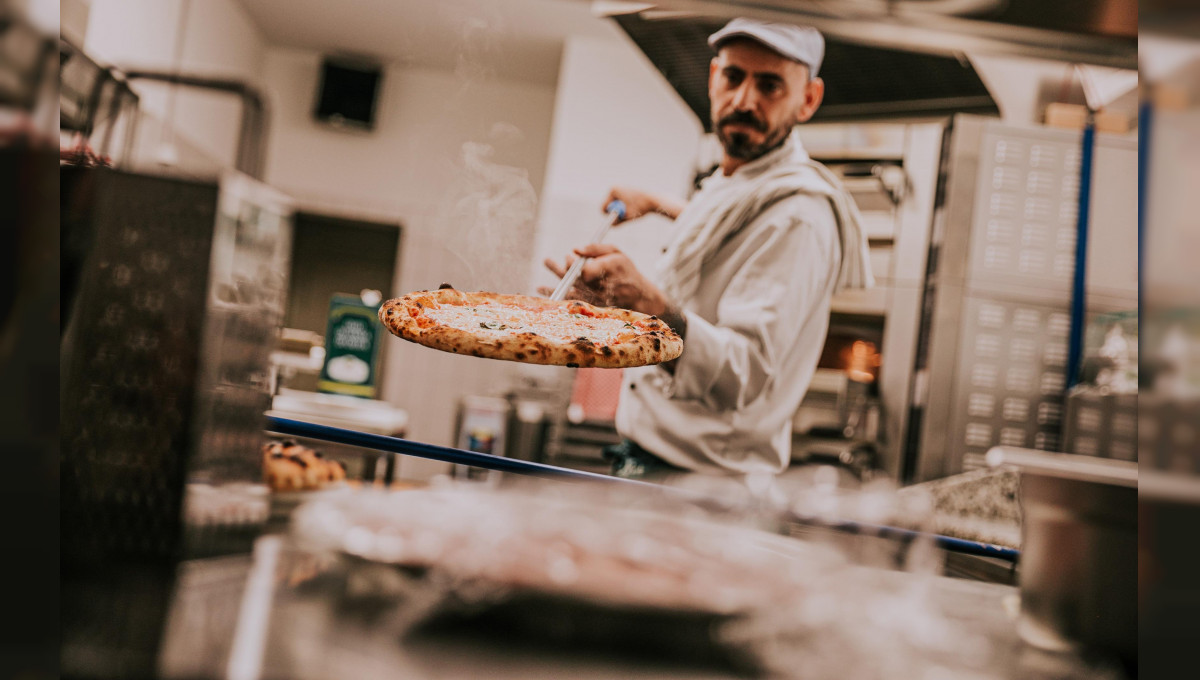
{"points": [[530, 330]]}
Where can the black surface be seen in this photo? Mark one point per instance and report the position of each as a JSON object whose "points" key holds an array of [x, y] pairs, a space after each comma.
{"points": [[861, 83], [348, 93], [129, 360]]}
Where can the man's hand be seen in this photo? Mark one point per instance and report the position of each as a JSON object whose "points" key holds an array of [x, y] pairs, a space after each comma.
{"points": [[610, 279], [639, 203]]}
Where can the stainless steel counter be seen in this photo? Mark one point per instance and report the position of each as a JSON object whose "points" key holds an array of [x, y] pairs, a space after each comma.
{"points": [[327, 620]]}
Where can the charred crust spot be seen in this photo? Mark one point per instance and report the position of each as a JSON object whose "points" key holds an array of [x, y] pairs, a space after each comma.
{"points": [[519, 355], [572, 364], [318, 454], [657, 344], [298, 461], [445, 286], [606, 351], [288, 442], [277, 454]]}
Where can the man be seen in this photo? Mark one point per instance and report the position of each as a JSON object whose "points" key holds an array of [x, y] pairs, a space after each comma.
{"points": [[747, 280]]}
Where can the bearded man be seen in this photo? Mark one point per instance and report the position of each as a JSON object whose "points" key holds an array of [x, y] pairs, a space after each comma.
{"points": [[759, 251]]}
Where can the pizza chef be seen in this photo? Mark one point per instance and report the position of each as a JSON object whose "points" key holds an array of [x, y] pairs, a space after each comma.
{"points": [[747, 280]]}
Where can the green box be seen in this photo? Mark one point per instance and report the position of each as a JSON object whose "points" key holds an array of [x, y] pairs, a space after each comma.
{"points": [[352, 339]]}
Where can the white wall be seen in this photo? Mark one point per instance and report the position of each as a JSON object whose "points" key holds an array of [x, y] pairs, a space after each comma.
{"points": [[459, 162], [219, 40], [616, 122]]}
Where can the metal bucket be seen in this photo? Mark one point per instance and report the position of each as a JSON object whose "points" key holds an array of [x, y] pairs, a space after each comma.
{"points": [[1078, 571]]}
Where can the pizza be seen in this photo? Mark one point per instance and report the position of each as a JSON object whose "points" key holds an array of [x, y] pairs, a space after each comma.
{"points": [[530, 329]]}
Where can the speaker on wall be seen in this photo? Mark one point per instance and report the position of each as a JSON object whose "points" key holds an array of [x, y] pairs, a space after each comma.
{"points": [[347, 93]]}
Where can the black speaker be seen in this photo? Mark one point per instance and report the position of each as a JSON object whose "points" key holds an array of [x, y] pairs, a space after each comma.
{"points": [[348, 92]]}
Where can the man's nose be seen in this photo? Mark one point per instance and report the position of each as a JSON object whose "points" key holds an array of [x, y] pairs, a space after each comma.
{"points": [[743, 97]]}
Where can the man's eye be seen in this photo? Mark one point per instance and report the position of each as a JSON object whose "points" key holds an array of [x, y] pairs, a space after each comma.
{"points": [[768, 87], [733, 78]]}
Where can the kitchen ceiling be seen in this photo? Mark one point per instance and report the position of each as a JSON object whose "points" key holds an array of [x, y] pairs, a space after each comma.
{"points": [[513, 39]]}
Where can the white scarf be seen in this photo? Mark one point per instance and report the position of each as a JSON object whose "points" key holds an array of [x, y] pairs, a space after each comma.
{"points": [[716, 213]]}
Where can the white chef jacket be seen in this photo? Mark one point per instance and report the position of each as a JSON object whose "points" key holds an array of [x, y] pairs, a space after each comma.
{"points": [[756, 325]]}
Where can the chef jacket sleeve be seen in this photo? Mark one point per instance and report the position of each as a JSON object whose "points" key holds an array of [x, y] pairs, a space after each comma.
{"points": [[728, 362]]}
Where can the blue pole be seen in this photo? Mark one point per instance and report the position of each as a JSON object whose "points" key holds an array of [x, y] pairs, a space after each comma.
{"points": [[1145, 112], [408, 447], [336, 435], [1078, 286]]}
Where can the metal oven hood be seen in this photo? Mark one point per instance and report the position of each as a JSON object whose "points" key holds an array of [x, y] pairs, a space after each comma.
{"points": [[889, 59]]}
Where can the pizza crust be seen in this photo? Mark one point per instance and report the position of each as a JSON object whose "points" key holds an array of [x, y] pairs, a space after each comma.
{"points": [[643, 341]]}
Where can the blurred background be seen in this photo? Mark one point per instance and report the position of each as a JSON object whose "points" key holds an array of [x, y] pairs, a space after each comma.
{"points": [[240, 182]]}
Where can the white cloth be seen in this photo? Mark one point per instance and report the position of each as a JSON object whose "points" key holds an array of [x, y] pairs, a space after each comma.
{"points": [[757, 258], [721, 208]]}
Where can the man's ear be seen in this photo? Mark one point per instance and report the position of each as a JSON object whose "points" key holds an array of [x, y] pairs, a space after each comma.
{"points": [[712, 73], [814, 92]]}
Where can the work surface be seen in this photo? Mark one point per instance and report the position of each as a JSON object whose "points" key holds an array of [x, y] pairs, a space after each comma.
{"points": [[327, 620]]}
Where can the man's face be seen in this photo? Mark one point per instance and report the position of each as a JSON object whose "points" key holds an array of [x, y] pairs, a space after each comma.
{"points": [[757, 96]]}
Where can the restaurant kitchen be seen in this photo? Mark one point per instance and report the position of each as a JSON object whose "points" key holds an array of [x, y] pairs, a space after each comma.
{"points": [[242, 178]]}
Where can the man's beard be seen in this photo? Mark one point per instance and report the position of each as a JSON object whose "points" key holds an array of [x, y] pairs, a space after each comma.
{"points": [[738, 144]]}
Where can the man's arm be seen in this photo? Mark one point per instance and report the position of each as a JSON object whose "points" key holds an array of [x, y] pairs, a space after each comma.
{"points": [[639, 203]]}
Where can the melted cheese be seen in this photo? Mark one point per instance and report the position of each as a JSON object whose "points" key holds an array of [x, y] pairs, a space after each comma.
{"points": [[503, 320]]}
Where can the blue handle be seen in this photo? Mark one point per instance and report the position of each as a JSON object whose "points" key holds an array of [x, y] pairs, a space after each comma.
{"points": [[408, 447], [337, 435], [616, 206]]}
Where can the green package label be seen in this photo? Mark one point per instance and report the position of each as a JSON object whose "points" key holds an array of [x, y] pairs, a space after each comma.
{"points": [[351, 347]]}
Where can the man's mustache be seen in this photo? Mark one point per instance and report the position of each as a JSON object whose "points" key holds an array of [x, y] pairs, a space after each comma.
{"points": [[744, 118]]}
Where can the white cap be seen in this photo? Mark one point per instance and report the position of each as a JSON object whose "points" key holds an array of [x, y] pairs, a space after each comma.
{"points": [[798, 43]]}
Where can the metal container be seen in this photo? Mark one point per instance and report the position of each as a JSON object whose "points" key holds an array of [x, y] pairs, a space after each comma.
{"points": [[1078, 572]]}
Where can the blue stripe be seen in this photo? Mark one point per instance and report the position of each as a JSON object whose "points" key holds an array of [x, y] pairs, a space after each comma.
{"points": [[1145, 113], [1079, 285]]}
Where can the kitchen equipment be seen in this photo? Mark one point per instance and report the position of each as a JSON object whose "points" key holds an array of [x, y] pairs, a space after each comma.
{"points": [[163, 382], [615, 211], [1079, 537], [994, 348]]}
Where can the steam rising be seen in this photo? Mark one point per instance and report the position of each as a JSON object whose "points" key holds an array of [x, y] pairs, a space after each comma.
{"points": [[486, 219], [491, 215]]}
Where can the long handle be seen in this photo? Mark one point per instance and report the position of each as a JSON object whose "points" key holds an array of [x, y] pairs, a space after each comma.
{"points": [[615, 211], [336, 435], [446, 454]]}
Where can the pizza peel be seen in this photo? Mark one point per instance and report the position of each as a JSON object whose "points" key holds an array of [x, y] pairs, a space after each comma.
{"points": [[615, 211]]}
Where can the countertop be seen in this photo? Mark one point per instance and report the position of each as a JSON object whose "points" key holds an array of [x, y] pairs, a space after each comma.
{"points": [[324, 622]]}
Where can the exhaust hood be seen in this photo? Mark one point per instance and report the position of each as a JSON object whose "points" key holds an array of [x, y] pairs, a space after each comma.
{"points": [[889, 59], [861, 83]]}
